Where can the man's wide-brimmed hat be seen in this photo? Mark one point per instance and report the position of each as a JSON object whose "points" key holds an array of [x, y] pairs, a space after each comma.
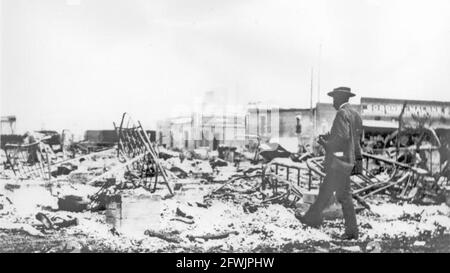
{"points": [[346, 91]]}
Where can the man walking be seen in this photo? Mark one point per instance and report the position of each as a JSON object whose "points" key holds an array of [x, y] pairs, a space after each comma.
{"points": [[342, 158], [298, 131]]}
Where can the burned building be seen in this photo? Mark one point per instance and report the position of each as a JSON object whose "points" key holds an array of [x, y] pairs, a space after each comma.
{"points": [[290, 127], [202, 130], [8, 131], [210, 124], [213, 124], [385, 113], [273, 124], [382, 117]]}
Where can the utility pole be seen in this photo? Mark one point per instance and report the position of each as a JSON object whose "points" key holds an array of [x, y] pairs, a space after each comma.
{"points": [[311, 96], [318, 73], [311, 109], [224, 127]]}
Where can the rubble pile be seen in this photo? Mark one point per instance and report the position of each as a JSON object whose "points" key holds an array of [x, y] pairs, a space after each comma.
{"points": [[227, 216], [401, 182], [240, 191], [139, 197]]}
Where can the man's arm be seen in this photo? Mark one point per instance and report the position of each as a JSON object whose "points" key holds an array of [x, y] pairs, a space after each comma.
{"points": [[340, 132]]}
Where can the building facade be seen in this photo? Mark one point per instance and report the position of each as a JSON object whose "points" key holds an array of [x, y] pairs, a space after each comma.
{"points": [[280, 125], [200, 130], [291, 127], [378, 112], [212, 123]]}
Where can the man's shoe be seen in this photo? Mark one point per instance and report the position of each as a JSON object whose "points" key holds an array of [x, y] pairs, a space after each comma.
{"points": [[306, 222]]}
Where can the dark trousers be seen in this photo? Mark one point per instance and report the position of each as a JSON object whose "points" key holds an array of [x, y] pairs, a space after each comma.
{"points": [[338, 182]]}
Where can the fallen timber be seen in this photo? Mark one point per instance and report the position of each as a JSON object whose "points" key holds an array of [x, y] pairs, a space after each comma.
{"points": [[401, 181], [392, 162], [142, 143], [138, 157], [29, 160], [171, 238], [218, 236], [406, 187], [281, 189], [35, 160], [77, 159]]}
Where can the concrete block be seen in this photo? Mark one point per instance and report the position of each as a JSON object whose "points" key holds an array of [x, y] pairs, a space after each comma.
{"points": [[73, 203]]}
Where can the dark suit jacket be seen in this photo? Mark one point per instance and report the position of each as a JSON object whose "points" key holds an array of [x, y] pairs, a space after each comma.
{"points": [[346, 129]]}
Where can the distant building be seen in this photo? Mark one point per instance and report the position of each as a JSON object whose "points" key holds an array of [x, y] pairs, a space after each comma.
{"points": [[110, 137], [384, 113], [199, 130], [261, 121], [274, 124], [8, 131], [8, 125], [213, 123], [290, 127]]}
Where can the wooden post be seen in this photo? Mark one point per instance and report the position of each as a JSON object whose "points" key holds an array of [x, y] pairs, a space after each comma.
{"points": [[156, 177], [310, 180], [263, 178], [431, 161], [400, 125], [48, 165]]}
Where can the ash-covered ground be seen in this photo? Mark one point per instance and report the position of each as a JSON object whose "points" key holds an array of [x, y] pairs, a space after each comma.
{"points": [[208, 213]]}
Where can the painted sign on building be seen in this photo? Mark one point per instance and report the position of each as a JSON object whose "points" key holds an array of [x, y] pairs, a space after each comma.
{"points": [[390, 108], [437, 112]]}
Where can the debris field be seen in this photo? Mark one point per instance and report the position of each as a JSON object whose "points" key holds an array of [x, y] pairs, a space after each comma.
{"points": [[140, 197]]}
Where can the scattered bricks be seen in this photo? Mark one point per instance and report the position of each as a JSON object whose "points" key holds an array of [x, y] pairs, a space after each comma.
{"points": [[177, 186], [72, 203], [11, 187], [64, 170]]}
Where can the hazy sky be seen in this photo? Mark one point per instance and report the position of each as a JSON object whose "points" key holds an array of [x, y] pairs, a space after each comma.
{"points": [[79, 64]]}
